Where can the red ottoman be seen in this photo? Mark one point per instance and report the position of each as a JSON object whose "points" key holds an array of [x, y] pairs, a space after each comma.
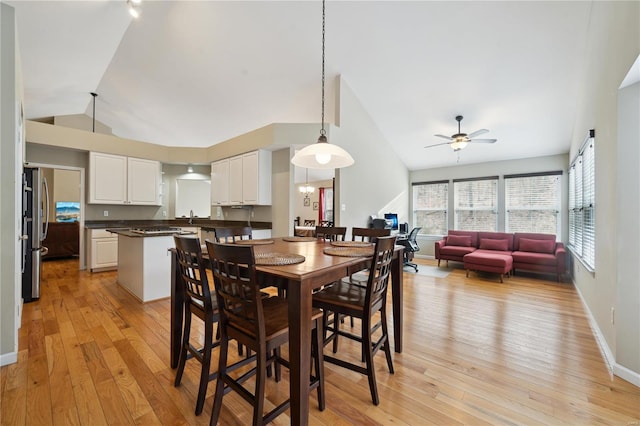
{"points": [[499, 262]]}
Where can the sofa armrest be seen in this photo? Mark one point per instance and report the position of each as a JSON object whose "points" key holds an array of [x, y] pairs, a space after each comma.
{"points": [[439, 244], [560, 254]]}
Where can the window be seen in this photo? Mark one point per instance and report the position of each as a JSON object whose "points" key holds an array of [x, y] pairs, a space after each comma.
{"points": [[476, 202], [582, 203], [430, 200], [532, 202]]}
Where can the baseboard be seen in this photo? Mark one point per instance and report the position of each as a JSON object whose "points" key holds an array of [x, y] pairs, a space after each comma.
{"points": [[10, 358], [614, 368]]}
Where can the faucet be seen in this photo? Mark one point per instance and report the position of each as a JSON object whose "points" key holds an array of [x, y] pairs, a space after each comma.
{"points": [[190, 217]]}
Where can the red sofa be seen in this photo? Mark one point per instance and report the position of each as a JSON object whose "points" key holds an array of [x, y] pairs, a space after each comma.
{"points": [[503, 253]]}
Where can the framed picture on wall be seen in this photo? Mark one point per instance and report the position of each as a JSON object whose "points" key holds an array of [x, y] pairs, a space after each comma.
{"points": [[315, 205], [307, 201]]}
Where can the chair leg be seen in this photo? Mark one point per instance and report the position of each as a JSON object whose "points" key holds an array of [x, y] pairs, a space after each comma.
{"points": [[318, 359], [183, 350], [368, 356], [261, 373], [206, 368], [387, 344], [222, 372], [336, 326]]}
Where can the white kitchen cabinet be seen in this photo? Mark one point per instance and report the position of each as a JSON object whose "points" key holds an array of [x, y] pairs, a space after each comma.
{"points": [[103, 250], [220, 183], [242, 180], [115, 179]]}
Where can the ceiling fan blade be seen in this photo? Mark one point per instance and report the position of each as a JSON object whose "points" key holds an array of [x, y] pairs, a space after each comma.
{"points": [[444, 137], [438, 144], [483, 140], [477, 133]]}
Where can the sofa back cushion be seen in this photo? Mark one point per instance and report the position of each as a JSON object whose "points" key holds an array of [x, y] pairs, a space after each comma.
{"points": [[472, 234], [518, 236], [497, 236], [459, 240], [537, 246], [493, 244]]}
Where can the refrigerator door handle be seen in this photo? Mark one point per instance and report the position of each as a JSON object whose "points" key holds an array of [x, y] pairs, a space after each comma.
{"points": [[46, 203], [44, 250]]}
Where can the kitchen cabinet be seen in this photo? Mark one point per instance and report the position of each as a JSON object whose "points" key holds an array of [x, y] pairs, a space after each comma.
{"points": [[103, 250], [220, 183], [242, 180], [115, 179]]}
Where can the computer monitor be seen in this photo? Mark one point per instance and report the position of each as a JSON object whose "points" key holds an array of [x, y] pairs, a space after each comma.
{"points": [[393, 217]]}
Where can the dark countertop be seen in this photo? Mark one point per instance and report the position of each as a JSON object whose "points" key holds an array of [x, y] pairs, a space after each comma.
{"points": [[206, 224], [127, 233]]}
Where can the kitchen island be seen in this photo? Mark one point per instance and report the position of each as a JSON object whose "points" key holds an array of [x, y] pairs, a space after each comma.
{"points": [[144, 262]]}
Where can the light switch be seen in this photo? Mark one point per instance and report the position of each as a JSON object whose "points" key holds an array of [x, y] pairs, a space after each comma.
{"points": [[105, 213], [344, 207]]}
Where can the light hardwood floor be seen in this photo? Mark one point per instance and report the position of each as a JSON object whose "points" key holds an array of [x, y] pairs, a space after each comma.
{"points": [[476, 352]]}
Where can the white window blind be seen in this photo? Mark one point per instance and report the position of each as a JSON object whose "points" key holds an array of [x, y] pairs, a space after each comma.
{"points": [[476, 202], [582, 203], [430, 202], [532, 203]]}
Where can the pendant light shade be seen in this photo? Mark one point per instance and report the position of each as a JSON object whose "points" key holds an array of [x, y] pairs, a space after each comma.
{"points": [[322, 154]]}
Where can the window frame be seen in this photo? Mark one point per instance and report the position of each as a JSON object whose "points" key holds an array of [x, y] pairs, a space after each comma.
{"points": [[556, 209], [445, 210], [493, 209]]}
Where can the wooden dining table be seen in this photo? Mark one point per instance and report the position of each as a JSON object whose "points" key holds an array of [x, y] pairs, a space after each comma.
{"points": [[318, 269]]}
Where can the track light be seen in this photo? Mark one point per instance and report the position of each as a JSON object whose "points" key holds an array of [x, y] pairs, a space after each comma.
{"points": [[134, 9]]}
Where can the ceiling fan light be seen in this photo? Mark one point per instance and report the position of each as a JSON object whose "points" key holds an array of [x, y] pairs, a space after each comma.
{"points": [[458, 145]]}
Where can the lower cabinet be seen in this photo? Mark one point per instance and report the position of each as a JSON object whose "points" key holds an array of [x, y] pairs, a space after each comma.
{"points": [[103, 250]]}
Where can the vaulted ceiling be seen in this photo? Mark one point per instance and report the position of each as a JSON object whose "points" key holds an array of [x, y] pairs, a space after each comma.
{"points": [[196, 73]]}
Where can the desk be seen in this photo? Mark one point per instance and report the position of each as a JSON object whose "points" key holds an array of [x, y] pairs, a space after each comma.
{"points": [[317, 270]]}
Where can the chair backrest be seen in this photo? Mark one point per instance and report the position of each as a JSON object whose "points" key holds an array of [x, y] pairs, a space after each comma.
{"points": [[237, 291], [411, 239], [231, 235], [331, 233], [368, 234], [194, 274], [379, 271], [309, 222], [326, 223]]}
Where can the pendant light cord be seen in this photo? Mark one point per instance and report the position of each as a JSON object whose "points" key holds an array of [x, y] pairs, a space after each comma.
{"points": [[322, 131]]}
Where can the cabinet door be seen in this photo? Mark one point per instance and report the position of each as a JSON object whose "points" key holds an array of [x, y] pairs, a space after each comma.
{"points": [[220, 182], [235, 180], [143, 181], [107, 178], [104, 252], [250, 178]]}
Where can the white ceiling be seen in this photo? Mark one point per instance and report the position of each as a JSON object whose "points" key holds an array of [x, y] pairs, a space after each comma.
{"points": [[198, 73]]}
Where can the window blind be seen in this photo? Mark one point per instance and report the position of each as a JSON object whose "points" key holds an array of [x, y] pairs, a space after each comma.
{"points": [[533, 203], [476, 204], [430, 203]]}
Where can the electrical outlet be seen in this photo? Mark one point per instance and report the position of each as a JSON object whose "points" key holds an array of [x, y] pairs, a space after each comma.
{"points": [[613, 315], [105, 213], [164, 213], [252, 213]]}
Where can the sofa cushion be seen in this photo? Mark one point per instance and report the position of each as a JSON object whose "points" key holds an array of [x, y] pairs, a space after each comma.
{"points": [[459, 240], [528, 257], [489, 258], [455, 250], [491, 244], [537, 246]]}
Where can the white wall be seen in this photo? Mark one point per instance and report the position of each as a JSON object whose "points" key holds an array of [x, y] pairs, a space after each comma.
{"points": [[11, 154], [613, 46], [628, 232], [378, 181]]}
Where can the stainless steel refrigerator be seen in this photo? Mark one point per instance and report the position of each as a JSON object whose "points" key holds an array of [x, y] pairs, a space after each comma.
{"points": [[35, 224]]}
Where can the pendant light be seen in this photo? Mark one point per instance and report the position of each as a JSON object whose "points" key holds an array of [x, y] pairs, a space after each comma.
{"points": [[307, 189], [322, 154]]}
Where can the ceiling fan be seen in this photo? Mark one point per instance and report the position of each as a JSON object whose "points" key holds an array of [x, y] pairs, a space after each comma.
{"points": [[460, 140]]}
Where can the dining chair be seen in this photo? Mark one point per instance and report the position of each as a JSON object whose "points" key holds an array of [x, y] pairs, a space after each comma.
{"points": [[231, 235], [331, 233], [259, 323], [309, 222], [364, 303], [201, 302], [368, 234]]}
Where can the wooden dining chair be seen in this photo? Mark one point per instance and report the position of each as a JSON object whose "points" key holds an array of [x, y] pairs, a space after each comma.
{"points": [[232, 234], [331, 233], [368, 234], [259, 323], [364, 303]]}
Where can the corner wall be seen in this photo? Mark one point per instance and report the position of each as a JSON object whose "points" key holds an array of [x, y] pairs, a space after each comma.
{"points": [[612, 47], [378, 181]]}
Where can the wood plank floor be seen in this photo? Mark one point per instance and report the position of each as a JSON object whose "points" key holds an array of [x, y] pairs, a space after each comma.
{"points": [[476, 352]]}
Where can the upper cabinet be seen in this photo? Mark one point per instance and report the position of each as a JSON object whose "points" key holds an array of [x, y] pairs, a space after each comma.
{"points": [[242, 180], [115, 179]]}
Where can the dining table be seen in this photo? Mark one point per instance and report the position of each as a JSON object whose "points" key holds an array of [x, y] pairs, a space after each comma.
{"points": [[317, 269]]}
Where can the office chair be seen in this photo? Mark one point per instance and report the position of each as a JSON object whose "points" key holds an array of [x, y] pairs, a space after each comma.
{"points": [[410, 247]]}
